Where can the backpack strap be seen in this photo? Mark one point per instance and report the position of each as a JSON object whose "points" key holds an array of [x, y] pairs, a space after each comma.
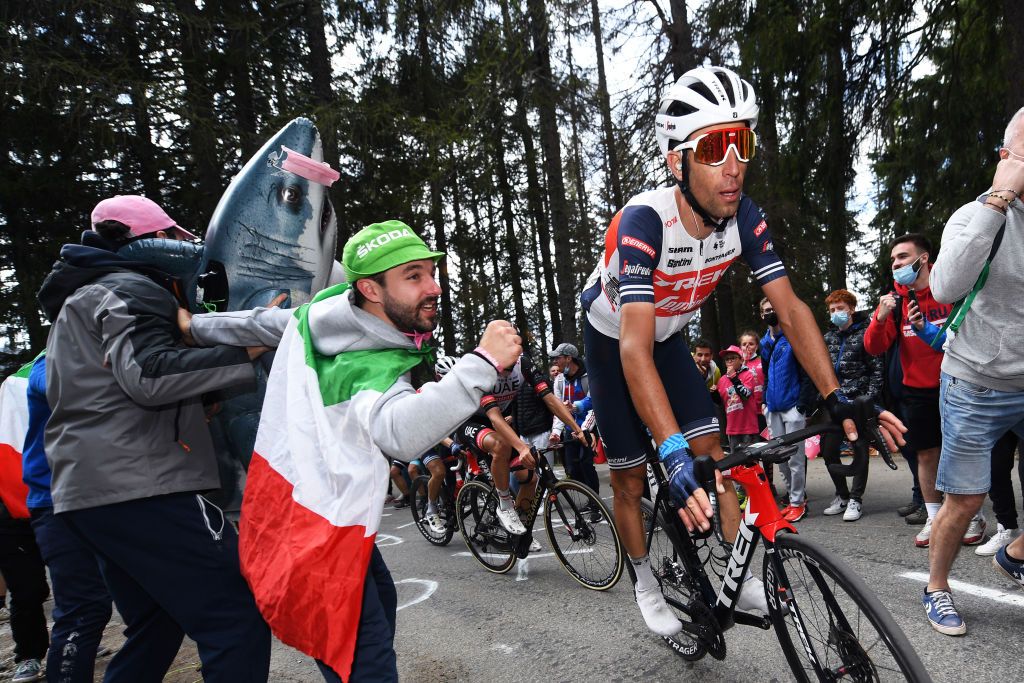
{"points": [[960, 308]]}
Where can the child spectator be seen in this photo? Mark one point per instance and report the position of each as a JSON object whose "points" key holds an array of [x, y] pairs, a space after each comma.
{"points": [[736, 387]]}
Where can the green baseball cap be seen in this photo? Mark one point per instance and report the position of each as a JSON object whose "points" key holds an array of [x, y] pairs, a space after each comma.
{"points": [[383, 246]]}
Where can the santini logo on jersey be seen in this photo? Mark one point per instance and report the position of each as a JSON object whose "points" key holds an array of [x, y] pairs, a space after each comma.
{"points": [[380, 241], [678, 262], [634, 270], [628, 241]]}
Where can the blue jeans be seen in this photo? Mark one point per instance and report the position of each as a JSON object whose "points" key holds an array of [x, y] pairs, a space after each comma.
{"points": [[973, 419], [81, 601]]}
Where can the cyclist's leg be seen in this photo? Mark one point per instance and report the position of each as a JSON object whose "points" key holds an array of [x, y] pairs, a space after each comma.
{"points": [[398, 477], [490, 442], [434, 465], [527, 489]]}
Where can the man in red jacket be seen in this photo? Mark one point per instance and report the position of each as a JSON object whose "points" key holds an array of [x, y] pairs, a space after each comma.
{"points": [[914, 328]]}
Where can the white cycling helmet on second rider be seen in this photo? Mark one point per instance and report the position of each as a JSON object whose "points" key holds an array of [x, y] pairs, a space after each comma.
{"points": [[443, 365], [704, 96]]}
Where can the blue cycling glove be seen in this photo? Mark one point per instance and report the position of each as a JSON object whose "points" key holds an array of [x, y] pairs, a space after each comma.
{"points": [[455, 448], [675, 454]]}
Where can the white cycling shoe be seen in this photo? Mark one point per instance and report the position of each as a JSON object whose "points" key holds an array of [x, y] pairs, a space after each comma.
{"points": [[509, 519], [752, 597], [436, 523], [657, 614]]}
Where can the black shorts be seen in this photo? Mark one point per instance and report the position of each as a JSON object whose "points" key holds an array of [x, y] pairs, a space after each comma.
{"points": [[471, 434], [623, 432], [920, 408]]}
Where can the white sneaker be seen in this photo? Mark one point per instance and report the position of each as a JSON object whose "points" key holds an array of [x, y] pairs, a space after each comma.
{"points": [[534, 546], [436, 524], [924, 536], [657, 615], [509, 519], [975, 531], [852, 513], [1001, 537], [837, 506], [752, 597]]}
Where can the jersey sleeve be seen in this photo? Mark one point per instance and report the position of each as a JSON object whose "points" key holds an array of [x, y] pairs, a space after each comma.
{"points": [[638, 241], [534, 377], [756, 242]]}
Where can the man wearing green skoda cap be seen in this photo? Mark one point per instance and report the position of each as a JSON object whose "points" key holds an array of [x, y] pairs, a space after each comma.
{"points": [[326, 438]]}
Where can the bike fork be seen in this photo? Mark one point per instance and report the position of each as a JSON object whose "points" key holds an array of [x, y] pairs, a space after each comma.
{"points": [[782, 600]]}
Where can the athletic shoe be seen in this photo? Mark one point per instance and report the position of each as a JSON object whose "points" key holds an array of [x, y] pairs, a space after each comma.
{"points": [[975, 533], [1013, 569], [593, 514], [908, 509], [752, 597], [28, 670], [852, 513], [942, 615], [534, 545], [509, 519], [402, 502], [917, 517], [656, 612], [436, 523], [924, 536], [838, 505], [794, 513], [1001, 537]]}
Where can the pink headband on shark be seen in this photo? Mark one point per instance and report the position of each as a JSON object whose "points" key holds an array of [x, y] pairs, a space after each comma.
{"points": [[310, 169]]}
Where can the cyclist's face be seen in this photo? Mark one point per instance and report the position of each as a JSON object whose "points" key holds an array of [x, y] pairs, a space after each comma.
{"points": [[702, 355], [716, 188]]}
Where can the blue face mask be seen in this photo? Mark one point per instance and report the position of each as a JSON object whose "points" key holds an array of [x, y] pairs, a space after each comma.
{"points": [[908, 273], [840, 318]]}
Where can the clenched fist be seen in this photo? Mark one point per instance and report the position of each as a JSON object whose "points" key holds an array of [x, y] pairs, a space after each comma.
{"points": [[502, 342]]}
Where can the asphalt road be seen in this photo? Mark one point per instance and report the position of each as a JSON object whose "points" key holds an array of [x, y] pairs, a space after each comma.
{"points": [[458, 622]]}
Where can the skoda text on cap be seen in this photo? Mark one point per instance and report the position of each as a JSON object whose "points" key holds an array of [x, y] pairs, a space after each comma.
{"points": [[142, 215], [382, 246]]}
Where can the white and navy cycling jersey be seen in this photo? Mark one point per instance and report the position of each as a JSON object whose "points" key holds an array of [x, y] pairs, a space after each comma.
{"points": [[649, 257], [506, 388]]}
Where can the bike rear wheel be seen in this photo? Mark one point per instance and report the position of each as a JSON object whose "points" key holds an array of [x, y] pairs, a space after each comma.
{"points": [[849, 634], [418, 505], [583, 535], [487, 540]]}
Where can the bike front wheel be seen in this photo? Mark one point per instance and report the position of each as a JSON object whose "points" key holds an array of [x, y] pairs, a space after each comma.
{"points": [[418, 505], [829, 623], [487, 540], [583, 535]]}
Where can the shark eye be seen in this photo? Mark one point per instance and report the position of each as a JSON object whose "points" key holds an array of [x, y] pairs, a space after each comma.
{"points": [[291, 194]]}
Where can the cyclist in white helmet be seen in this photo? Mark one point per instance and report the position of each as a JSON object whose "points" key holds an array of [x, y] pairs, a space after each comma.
{"points": [[664, 253]]}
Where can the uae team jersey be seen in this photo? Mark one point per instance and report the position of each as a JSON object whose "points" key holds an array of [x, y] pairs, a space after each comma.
{"points": [[504, 391], [649, 257]]}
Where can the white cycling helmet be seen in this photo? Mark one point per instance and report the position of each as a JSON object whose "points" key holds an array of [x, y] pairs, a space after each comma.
{"points": [[443, 365], [703, 97]]}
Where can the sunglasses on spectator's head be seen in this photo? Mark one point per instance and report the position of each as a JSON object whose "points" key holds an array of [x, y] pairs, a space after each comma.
{"points": [[711, 148]]}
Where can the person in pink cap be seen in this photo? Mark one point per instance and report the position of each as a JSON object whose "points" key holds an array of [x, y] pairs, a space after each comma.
{"points": [[129, 216], [736, 388]]}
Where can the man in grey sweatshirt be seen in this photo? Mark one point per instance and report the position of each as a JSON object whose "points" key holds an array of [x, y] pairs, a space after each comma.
{"points": [[982, 382]]}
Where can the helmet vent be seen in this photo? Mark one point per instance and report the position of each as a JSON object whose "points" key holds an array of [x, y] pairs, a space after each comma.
{"points": [[704, 92], [727, 87], [677, 108]]}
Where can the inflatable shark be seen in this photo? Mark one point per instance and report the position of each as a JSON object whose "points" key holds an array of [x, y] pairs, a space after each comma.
{"points": [[274, 231]]}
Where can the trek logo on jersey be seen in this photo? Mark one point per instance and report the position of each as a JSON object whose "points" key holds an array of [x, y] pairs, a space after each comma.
{"points": [[634, 270], [678, 262], [381, 240], [688, 280], [761, 227], [628, 241]]}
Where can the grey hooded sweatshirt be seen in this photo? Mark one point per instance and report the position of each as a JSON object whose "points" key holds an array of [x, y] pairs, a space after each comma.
{"points": [[988, 348]]}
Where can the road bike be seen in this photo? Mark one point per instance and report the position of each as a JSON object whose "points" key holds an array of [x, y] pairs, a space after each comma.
{"points": [[830, 625], [579, 526], [461, 469]]}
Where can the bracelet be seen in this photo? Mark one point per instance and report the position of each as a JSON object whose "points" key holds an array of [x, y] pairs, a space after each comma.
{"points": [[1008, 189], [999, 196], [997, 207], [480, 351]]}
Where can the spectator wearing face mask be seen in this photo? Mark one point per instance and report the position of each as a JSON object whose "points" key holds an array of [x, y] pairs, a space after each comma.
{"points": [[859, 374]]}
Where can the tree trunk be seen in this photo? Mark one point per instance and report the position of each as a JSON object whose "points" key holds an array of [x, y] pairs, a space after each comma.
{"points": [[614, 182], [680, 40], [511, 241], [838, 153], [239, 23], [545, 97], [1013, 73]]}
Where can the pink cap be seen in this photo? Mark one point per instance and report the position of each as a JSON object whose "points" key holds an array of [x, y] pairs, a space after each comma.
{"points": [[142, 216], [732, 349]]}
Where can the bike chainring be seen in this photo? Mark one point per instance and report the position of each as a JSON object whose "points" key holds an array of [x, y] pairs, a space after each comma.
{"points": [[710, 633]]}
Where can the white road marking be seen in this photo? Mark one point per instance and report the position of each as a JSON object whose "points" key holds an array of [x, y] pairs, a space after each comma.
{"points": [[404, 525], [384, 540], [532, 555], [505, 649], [430, 587], [1007, 598], [386, 514]]}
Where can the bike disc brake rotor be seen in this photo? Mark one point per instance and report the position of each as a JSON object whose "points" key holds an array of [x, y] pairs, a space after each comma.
{"points": [[856, 663]]}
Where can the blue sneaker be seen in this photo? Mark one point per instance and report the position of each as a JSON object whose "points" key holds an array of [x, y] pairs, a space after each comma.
{"points": [[1013, 569], [942, 615]]}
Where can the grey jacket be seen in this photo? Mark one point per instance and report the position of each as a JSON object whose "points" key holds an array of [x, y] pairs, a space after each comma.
{"points": [[988, 349], [406, 421], [128, 422]]}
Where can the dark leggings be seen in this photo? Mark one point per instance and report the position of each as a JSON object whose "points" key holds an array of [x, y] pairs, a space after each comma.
{"points": [[1003, 502], [830, 452], [579, 464]]}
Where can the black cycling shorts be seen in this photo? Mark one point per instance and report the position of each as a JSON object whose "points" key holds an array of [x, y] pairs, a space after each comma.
{"points": [[622, 430], [920, 409], [471, 434]]}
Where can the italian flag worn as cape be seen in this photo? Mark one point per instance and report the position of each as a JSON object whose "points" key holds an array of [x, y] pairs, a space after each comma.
{"points": [[13, 427], [316, 487]]}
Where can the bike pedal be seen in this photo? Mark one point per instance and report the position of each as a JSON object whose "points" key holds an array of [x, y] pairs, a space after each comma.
{"points": [[747, 619]]}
